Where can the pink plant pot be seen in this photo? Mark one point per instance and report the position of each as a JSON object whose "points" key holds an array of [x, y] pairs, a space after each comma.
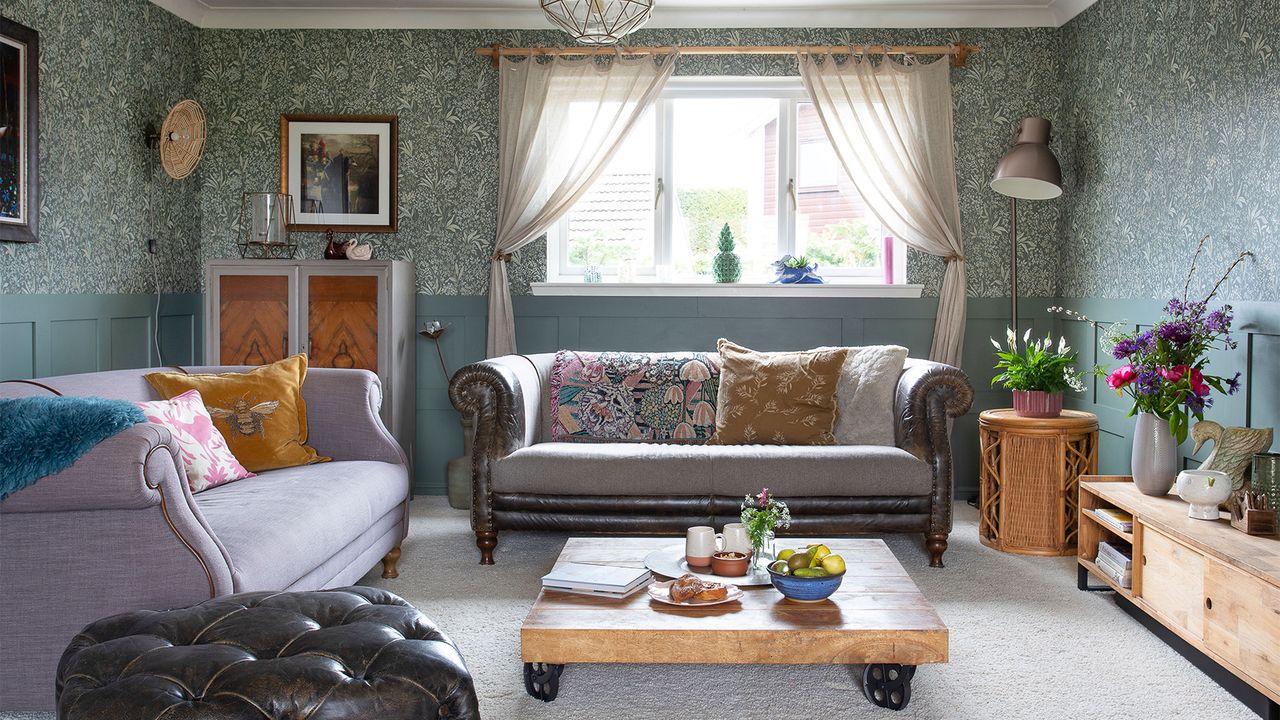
{"points": [[1037, 404]]}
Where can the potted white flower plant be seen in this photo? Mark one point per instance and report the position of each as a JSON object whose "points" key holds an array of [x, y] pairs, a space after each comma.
{"points": [[1037, 373]]}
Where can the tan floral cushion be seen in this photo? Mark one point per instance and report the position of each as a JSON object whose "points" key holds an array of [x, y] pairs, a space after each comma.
{"points": [[777, 398]]}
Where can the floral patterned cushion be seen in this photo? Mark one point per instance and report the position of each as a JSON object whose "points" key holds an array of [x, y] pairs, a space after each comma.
{"points": [[637, 397], [208, 460]]}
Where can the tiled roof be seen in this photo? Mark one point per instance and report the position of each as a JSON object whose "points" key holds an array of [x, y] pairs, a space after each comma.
{"points": [[618, 206]]}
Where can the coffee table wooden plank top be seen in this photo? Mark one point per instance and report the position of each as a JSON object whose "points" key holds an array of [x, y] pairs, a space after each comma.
{"points": [[877, 616]]}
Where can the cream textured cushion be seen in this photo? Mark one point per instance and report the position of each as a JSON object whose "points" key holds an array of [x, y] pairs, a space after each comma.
{"points": [[864, 396]]}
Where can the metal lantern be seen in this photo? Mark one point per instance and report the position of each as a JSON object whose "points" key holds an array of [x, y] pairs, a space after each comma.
{"points": [[598, 22]]}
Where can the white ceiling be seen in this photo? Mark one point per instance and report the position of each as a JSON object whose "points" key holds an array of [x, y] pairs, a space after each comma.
{"points": [[492, 14]]}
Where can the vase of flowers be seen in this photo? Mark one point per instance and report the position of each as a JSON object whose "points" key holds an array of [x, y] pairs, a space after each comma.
{"points": [[1164, 371], [1038, 373], [763, 514]]}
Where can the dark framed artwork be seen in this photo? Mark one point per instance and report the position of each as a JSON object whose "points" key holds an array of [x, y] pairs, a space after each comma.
{"points": [[19, 127], [341, 171]]}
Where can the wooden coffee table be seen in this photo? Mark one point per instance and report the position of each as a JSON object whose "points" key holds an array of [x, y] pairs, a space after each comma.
{"points": [[877, 618]]}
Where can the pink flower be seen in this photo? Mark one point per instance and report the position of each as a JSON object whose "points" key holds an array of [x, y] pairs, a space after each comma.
{"points": [[764, 497], [1198, 385], [1174, 374], [1122, 376]]}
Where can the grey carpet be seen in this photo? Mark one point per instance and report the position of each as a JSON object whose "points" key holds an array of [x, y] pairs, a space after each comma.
{"points": [[1024, 643]]}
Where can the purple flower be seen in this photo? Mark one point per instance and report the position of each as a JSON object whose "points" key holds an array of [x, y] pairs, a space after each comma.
{"points": [[1125, 348], [1146, 342], [1176, 333], [1149, 382], [1218, 321], [1233, 385], [1197, 404]]}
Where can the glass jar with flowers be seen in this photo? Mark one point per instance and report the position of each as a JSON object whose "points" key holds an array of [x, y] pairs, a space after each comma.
{"points": [[763, 514], [1037, 374], [1164, 372]]}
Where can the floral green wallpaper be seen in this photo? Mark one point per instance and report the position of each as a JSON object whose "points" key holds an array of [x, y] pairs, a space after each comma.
{"points": [[107, 68], [447, 102], [1173, 113]]}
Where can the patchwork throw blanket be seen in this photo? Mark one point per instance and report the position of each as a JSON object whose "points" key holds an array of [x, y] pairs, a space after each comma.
{"points": [[42, 436], [638, 397]]}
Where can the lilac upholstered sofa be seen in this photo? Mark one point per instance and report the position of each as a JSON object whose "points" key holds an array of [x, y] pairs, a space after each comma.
{"points": [[119, 530]]}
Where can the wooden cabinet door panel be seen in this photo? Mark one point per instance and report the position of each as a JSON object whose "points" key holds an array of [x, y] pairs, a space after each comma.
{"points": [[1173, 581], [1242, 622], [253, 319], [342, 321]]}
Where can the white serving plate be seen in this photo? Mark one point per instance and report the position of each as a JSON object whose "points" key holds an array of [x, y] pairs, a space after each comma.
{"points": [[661, 591], [670, 562]]}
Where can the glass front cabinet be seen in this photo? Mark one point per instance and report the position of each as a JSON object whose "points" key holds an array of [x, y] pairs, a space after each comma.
{"points": [[341, 313]]}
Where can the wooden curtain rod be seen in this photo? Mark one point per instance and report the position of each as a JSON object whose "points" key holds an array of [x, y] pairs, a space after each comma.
{"points": [[959, 52]]}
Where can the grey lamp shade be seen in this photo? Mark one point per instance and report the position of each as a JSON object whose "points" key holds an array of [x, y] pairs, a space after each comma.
{"points": [[1029, 171]]}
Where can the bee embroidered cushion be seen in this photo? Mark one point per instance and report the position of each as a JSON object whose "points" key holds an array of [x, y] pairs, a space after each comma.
{"points": [[260, 413], [208, 460], [777, 398]]}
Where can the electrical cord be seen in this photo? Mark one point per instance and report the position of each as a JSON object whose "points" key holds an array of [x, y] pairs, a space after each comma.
{"points": [[155, 327]]}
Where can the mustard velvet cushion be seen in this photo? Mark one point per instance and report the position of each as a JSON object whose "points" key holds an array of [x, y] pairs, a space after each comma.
{"points": [[777, 398], [261, 412]]}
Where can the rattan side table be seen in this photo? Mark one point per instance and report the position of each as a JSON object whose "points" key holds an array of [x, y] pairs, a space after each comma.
{"points": [[1029, 479]]}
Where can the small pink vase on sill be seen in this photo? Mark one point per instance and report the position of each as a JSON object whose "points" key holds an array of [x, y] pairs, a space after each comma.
{"points": [[1037, 404]]}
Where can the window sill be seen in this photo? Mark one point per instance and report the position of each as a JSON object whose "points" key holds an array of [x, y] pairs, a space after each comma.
{"points": [[735, 290]]}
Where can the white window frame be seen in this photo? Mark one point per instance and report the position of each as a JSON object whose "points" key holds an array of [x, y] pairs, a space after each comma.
{"points": [[789, 92]]}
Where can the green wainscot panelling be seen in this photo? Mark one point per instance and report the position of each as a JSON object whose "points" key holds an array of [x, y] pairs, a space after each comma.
{"points": [[46, 335]]}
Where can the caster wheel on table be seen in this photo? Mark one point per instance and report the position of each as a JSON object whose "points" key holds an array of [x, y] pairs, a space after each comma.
{"points": [[542, 681], [888, 685]]}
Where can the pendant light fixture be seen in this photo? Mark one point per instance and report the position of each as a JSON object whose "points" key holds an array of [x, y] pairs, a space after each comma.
{"points": [[598, 22]]}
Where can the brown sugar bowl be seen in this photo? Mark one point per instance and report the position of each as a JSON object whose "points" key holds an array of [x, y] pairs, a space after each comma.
{"points": [[728, 563]]}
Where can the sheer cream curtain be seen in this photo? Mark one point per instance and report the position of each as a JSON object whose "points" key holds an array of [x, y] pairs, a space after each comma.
{"points": [[560, 121], [891, 126]]}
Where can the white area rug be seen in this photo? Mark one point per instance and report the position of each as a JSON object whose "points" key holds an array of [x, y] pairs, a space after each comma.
{"points": [[1024, 643]]}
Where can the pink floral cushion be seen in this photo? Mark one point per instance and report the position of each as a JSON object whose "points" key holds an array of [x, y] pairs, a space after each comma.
{"points": [[205, 453], [633, 397]]}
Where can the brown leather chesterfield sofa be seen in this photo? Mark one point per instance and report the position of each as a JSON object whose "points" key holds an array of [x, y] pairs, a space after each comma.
{"points": [[520, 481]]}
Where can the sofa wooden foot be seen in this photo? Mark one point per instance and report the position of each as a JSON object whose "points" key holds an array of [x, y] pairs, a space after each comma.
{"points": [[389, 564], [936, 544], [486, 540]]}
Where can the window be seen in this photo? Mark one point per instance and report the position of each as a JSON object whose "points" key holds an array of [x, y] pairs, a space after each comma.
{"points": [[748, 152]]}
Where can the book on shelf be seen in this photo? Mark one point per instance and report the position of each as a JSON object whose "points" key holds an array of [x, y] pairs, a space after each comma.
{"points": [[1118, 519], [604, 580], [1107, 566], [1119, 555]]}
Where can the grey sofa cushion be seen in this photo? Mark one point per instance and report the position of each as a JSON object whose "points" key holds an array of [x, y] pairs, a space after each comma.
{"points": [[282, 524], [659, 469]]}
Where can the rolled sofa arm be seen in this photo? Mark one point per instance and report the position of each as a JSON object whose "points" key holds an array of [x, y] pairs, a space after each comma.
{"points": [[930, 395], [500, 396]]}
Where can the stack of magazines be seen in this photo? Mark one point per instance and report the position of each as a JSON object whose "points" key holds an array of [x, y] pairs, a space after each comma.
{"points": [[1116, 562], [600, 580], [1118, 519]]}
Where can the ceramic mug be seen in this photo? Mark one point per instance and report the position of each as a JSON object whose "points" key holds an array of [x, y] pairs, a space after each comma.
{"points": [[736, 538], [700, 543]]}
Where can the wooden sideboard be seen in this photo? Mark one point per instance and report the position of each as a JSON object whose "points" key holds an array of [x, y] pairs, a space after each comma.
{"points": [[341, 313], [1208, 583]]}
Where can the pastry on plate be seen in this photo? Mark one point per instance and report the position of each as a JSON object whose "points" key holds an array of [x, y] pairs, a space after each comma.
{"points": [[692, 589]]}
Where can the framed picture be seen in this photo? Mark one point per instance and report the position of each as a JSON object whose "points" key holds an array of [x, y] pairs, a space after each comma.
{"points": [[19, 156], [341, 171]]}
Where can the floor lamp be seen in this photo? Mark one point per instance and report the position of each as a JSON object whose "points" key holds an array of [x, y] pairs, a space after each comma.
{"points": [[1029, 171]]}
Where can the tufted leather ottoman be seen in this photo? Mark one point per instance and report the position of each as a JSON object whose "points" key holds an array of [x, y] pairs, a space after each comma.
{"points": [[350, 653]]}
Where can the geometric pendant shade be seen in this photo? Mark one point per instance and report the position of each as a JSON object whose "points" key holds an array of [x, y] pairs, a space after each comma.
{"points": [[598, 22]]}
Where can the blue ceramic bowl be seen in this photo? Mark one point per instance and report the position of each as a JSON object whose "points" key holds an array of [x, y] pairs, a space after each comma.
{"points": [[806, 589]]}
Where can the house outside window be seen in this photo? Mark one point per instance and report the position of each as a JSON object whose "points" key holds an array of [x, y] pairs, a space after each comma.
{"points": [[750, 152]]}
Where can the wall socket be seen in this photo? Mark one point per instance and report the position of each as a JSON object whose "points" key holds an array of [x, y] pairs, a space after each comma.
{"points": [[153, 246]]}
